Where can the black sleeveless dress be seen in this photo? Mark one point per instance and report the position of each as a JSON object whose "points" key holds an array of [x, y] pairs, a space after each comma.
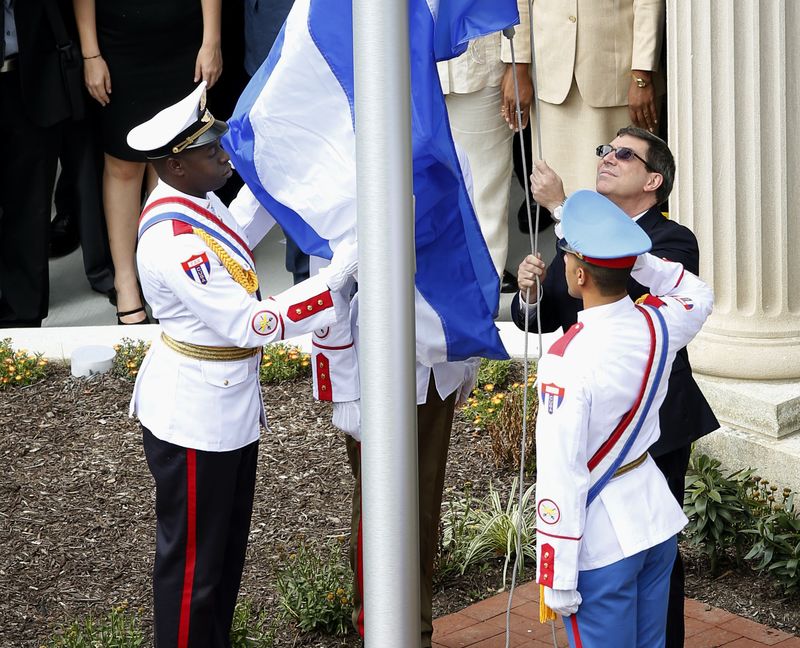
{"points": [[150, 47]]}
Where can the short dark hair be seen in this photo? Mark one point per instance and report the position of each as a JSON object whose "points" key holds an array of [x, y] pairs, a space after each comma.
{"points": [[609, 281], [659, 159]]}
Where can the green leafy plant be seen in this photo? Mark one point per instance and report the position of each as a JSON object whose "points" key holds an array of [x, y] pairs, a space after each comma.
{"points": [[483, 406], [19, 367], [777, 539], [118, 629], [315, 589], [282, 362], [128, 358], [496, 373], [457, 529], [716, 507], [251, 628], [496, 530], [505, 428]]}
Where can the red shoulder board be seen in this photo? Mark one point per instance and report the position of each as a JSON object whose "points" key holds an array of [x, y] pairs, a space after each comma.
{"points": [[652, 300], [179, 227], [309, 307], [561, 344]]}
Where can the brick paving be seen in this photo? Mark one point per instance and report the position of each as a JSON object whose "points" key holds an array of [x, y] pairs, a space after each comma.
{"points": [[483, 626]]}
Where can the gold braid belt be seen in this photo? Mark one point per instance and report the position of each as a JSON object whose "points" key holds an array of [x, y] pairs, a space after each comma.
{"points": [[201, 352], [630, 466]]}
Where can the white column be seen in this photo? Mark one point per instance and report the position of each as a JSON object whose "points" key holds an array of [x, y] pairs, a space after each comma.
{"points": [[734, 110]]}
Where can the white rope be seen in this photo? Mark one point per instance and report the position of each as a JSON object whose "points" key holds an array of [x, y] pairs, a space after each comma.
{"points": [[533, 233]]}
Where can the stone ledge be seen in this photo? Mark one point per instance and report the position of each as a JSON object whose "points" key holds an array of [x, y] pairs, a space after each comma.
{"points": [[767, 407], [774, 459]]}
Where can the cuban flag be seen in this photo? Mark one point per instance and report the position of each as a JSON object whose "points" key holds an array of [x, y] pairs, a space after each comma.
{"points": [[292, 139]]}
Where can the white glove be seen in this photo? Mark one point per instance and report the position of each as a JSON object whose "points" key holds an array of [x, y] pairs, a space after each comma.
{"points": [[343, 264], [347, 417], [563, 602]]}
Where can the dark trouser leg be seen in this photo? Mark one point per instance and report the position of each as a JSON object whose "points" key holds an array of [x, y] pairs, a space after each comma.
{"points": [[673, 465], [203, 505], [434, 422], [27, 174]]}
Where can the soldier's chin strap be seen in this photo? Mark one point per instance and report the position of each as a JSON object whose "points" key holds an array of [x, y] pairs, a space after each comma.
{"points": [[545, 613]]}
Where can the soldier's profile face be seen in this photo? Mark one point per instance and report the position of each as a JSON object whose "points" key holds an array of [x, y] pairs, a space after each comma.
{"points": [[571, 273], [206, 168]]}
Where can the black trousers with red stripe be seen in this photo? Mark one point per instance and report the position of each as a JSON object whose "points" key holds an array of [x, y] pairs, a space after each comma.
{"points": [[204, 501]]}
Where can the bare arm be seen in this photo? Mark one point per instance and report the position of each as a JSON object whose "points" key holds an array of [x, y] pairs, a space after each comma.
{"points": [[208, 65], [95, 71]]}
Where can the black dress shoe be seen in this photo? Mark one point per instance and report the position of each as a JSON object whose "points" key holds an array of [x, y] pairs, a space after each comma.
{"points": [[64, 235], [509, 283]]}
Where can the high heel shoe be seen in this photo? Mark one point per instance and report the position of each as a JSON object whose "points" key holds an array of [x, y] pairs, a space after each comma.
{"points": [[121, 314]]}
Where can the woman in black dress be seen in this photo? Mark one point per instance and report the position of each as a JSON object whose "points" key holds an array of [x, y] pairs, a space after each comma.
{"points": [[139, 57]]}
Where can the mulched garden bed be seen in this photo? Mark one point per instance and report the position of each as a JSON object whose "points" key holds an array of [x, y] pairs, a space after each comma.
{"points": [[77, 525]]}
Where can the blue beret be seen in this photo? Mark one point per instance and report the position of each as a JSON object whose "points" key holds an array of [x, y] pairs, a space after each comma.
{"points": [[598, 232]]}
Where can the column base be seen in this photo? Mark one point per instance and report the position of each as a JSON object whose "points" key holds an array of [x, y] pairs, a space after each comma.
{"points": [[751, 358], [773, 459], [770, 409]]}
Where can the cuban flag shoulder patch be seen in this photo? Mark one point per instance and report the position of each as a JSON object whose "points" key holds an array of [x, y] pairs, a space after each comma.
{"points": [[197, 268], [552, 396]]}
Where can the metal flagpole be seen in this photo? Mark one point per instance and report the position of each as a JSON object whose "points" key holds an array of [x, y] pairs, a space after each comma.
{"points": [[389, 496]]}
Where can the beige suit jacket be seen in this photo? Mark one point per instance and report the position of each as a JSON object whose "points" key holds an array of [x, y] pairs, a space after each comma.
{"points": [[598, 42]]}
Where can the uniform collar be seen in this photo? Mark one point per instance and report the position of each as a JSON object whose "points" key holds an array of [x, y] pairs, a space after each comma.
{"points": [[606, 311], [164, 190]]}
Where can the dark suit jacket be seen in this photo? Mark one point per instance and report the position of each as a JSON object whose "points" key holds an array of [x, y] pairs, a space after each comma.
{"points": [[43, 93], [685, 415]]}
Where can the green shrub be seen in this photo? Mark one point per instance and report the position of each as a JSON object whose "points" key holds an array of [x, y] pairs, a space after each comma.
{"points": [[19, 367], [251, 628], [457, 529], [777, 540], [315, 589], [282, 362], [494, 372], [496, 527], [717, 509], [129, 357], [119, 629]]}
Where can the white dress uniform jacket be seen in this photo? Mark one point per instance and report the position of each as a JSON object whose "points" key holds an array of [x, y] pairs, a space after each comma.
{"points": [[593, 377], [204, 404]]}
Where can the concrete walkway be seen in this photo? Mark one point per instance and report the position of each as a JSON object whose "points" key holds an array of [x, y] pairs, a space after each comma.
{"points": [[483, 626]]}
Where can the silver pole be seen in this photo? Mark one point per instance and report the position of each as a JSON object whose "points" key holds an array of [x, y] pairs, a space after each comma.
{"points": [[386, 324]]}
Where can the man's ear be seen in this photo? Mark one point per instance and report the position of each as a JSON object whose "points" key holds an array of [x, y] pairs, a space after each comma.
{"points": [[580, 275], [654, 181], [175, 167]]}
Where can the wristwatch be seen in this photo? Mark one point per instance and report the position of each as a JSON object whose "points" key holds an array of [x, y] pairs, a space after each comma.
{"points": [[640, 82]]}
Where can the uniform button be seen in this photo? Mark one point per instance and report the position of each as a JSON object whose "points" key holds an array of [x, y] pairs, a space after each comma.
{"points": [[573, 19], [225, 382], [309, 307], [322, 376], [545, 565], [299, 310], [546, 554], [324, 388], [319, 302]]}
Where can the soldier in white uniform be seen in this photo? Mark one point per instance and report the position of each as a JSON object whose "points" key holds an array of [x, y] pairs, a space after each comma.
{"points": [[606, 520], [197, 394]]}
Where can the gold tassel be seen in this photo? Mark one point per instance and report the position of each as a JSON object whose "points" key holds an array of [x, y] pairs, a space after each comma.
{"points": [[545, 613], [247, 279]]}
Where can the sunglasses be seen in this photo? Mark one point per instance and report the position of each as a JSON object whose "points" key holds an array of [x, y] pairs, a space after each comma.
{"points": [[622, 153]]}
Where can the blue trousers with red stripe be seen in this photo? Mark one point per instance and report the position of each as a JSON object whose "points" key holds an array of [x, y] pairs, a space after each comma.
{"points": [[204, 501], [625, 603]]}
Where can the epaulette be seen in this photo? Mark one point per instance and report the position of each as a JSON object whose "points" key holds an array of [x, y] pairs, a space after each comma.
{"points": [[561, 344], [650, 300], [179, 227]]}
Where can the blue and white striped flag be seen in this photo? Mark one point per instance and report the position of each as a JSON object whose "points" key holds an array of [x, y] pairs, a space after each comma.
{"points": [[292, 139]]}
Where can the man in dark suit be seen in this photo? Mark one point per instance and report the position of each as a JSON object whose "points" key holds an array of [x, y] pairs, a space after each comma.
{"points": [[33, 102], [635, 172]]}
